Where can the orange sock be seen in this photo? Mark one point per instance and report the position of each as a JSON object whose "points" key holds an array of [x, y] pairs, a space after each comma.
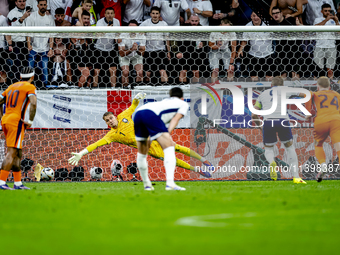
{"points": [[320, 154], [17, 176], [3, 175]]}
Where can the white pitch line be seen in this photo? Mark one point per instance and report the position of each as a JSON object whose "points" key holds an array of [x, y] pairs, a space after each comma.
{"points": [[205, 220]]}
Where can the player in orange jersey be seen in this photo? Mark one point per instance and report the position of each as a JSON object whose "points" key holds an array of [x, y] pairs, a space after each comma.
{"points": [[326, 121], [16, 99]]}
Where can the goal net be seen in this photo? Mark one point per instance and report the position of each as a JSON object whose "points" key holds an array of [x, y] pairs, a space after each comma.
{"points": [[90, 71]]}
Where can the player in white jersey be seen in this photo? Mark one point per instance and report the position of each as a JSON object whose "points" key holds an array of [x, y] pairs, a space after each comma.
{"points": [[150, 121], [275, 124]]}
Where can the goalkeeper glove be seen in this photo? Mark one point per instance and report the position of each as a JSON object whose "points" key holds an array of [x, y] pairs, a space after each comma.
{"points": [[77, 156], [140, 96]]}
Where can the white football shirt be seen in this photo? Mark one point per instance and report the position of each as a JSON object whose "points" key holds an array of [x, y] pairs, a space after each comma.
{"points": [[259, 48], [40, 44], [154, 41], [167, 108], [325, 43], [170, 10]]}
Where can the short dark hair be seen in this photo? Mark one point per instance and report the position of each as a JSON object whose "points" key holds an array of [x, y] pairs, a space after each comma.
{"points": [[276, 8], [107, 114], [109, 9], [326, 6], [155, 8], [133, 21], [59, 11], [41, 0], [226, 22], [176, 92], [85, 13]]}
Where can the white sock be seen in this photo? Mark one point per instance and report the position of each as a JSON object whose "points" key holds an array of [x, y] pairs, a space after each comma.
{"points": [[170, 165], [17, 183], [143, 169], [269, 154], [2, 182], [203, 159], [293, 161]]}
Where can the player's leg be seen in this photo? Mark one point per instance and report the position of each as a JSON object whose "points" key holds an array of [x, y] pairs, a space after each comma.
{"points": [[330, 61], [113, 76], [334, 133], [169, 160], [269, 140], [214, 65], [17, 171], [286, 137], [125, 75], [13, 141], [191, 153], [142, 164], [142, 135], [321, 132], [7, 166], [157, 152]]}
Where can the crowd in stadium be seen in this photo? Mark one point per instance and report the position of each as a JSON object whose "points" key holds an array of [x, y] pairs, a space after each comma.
{"points": [[130, 62]]}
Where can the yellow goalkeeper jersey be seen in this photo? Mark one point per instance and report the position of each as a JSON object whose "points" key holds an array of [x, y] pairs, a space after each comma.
{"points": [[125, 132]]}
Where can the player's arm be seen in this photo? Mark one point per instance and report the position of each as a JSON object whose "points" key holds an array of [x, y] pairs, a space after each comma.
{"points": [[2, 101], [33, 109], [174, 122], [77, 156], [135, 102], [273, 4]]}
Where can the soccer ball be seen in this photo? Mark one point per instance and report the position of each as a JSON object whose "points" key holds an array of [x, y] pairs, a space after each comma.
{"points": [[96, 173], [47, 174], [116, 167]]}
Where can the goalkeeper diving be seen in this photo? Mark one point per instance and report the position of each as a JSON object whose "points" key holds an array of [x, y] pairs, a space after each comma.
{"points": [[122, 131]]}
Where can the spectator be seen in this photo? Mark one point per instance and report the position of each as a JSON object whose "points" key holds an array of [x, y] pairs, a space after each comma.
{"points": [[288, 56], [105, 50], [34, 6], [85, 20], [17, 44], [87, 5], [131, 51], [4, 8], [147, 10], [203, 9], [134, 10], [223, 9], [79, 55], [325, 50], [37, 46], [313, 10], [170, 10], [258, 59], [157, 52], [190, 55], [116, 5], [219, 44], [289, 8], [3, 53], [55, 4], [60, 18], [58, 58]]}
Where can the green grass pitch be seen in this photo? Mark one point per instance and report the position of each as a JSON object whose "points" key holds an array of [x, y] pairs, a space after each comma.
{"points": [[219, 218]]}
